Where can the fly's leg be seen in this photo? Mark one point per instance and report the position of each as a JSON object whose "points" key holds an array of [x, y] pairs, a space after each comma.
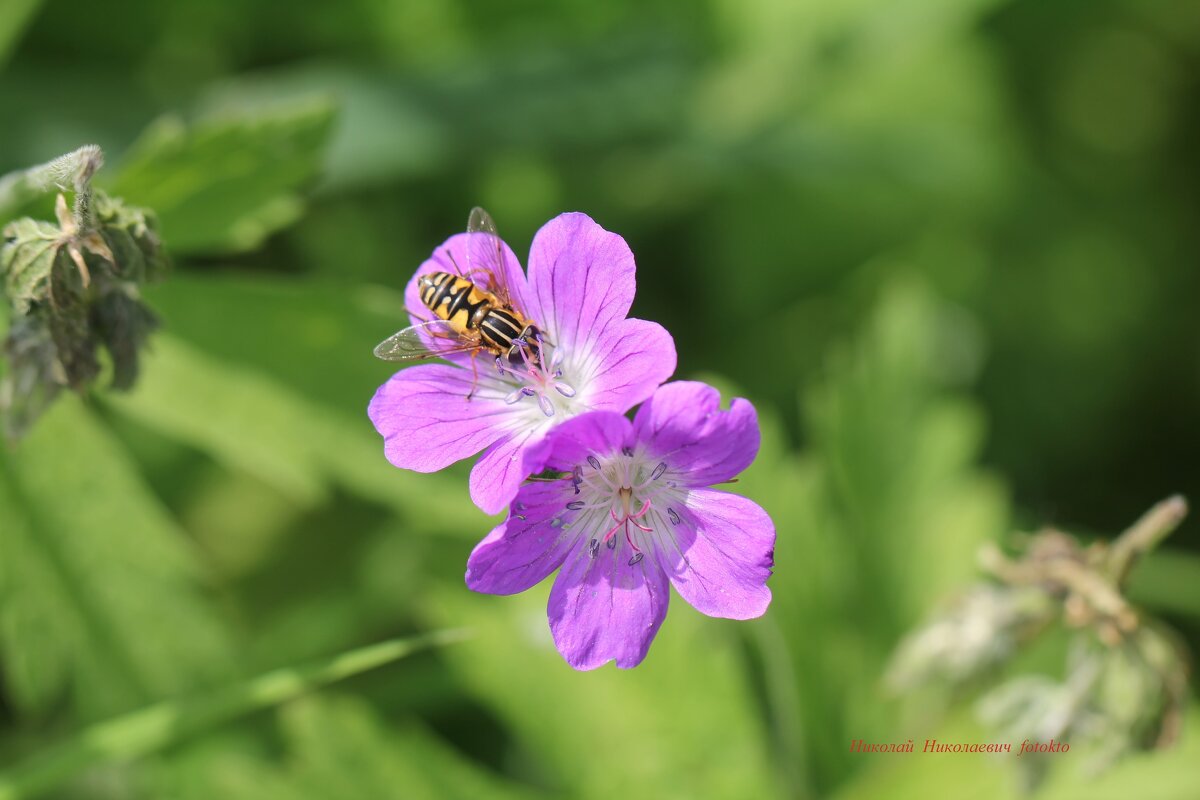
{"points": [[474, 374]]}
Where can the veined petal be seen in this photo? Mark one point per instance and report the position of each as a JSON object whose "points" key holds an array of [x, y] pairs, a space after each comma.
{"points": [[603, 608], [581, 280], [720, 555], [570, 443], [683, 424], [529, 545], [497, 475], [627, 365], [426, 421]]}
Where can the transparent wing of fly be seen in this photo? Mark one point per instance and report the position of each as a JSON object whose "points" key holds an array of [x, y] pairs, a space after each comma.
{"points": [[485, 254], [432, 339]]}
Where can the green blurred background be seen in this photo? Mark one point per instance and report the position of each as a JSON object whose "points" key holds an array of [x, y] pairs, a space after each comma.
{"points": [[947, 247]]}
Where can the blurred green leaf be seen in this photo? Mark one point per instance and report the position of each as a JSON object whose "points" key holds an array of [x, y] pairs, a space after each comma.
{"points": [[158, 726], [333, 746], [1166, 775], [646, 732], [1167, 580], [15, 15], [281, 437], [223, 184], [100, 592], [880, 518], [30, 248]]}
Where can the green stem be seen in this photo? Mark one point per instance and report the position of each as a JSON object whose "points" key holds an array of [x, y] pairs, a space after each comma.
{"points": [[72, 171], [1144, 535], [155, 727]]}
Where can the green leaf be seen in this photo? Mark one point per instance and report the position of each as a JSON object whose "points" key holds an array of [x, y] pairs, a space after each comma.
{"points": [[1165, 775], [340, 750], [131, 234], [16, 15], [881, 517], [159, 726], [645, 732], [100, 594], [223, 184], [281, 437], [29, 251]]}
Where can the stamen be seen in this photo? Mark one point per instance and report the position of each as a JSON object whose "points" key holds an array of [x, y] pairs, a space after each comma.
{"points": [[544, 402], [564, 389], [658, 471], [611, 542], [637, 557], [554, 523], [575, 505], [595, 462], [627, 450], [514, 396], [593, 546], [631, 544], [500, 365], [674, 516]]}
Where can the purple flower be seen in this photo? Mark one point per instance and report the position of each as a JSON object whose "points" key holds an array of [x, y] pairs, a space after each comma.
{"points": [[579, 290], [633, 513]]}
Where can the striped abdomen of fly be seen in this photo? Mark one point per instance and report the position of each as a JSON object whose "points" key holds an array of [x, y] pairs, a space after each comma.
{"points": [[475, 313]]}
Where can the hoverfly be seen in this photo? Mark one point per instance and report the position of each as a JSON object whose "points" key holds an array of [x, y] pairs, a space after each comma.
{"points": [[472, 309]]}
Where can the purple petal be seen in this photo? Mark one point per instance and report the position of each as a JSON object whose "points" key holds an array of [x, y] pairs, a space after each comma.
{"points": [[603, 608], [497, 475], [520, 552], [722, 554], [569, 444], [426, 421], [684, 425], [634, 359], [581, 280]]}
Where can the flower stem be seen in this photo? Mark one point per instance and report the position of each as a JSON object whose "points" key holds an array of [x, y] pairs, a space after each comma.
{"points": [[157, 726], [72, 171], [1144, 535]]}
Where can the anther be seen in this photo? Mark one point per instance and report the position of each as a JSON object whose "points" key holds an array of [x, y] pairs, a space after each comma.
{"points": [[554, 523], [658, 471], [566, 390], [593, 547], [575, 505], [636, 558], [514, 396], [546, 405], [611, 543], [595, 462], [627, 450], [674, 516]]}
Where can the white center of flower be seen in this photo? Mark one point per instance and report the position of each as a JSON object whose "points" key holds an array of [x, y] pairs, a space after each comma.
{"points": [[626, 499], [543, 380]]}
